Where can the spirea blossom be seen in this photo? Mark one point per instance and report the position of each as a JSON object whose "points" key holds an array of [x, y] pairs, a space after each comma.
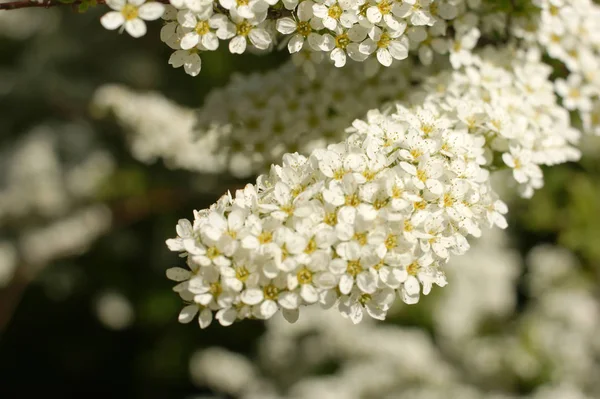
{"points": [[569, 32], [376, 216], [129, 15], [384, 31]]}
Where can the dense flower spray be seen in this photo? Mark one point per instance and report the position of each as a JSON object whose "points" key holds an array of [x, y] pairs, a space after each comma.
{"points": [[379, 214], [355, 216]]}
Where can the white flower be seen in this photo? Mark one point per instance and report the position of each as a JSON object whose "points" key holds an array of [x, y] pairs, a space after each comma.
{"points": [[520, 160], [575, 93], [199, 29], [244, 30], [344, 43], [334, 14], [302, 29], [461, 48], [189, 59], [389, 45], [130, 14]]}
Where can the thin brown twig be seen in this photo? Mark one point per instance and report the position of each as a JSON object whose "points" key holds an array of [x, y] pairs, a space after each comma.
{"points": [[15, 5]]}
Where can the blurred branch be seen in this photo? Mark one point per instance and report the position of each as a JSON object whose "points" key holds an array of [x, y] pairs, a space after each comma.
{"points": [[11, 296], [15, 5]]}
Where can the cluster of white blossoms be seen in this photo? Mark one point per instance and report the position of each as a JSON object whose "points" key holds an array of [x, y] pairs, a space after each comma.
{"points": [[375, 216], [48, 205], [246, 126], [382, 30], [490, 342], [569, 32]]}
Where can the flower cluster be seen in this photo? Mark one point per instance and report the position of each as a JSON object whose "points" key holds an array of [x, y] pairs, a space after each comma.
{"points": [[376, 216], [246, 126], [507, 98], [446, 353], [569, 32], [351, 225], [380, 30]]}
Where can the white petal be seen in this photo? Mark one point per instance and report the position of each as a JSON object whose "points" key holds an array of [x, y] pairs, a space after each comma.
{"points": [[136, 27], [295, 44], [115, 4], [210, 41], [288, 300], [187, 314], [267, 309], [286, 26], [346, 284], [178, 274], [260, 38], [226, 317], [237, 45], [205, 318], [309, 293], [411, 285], [112, 20], [252, 296], [151, 11], [366, 283], [189, 40], [176, 60], [398, 50], [192, 65], [291, 315], [384, 57]]}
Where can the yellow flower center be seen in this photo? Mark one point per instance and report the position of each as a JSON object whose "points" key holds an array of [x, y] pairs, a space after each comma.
{"points": [[364, 299], [352, 200], [448, 200], [335, 11], [202, 28], [384, 40], [130, 12], [271, 292], [212, 252], [416, 153], [311, 246], [265, 237], [304, 276], [391, 241], [420, 205], [354, 268], [241, 273], [385, 7], [330, 219], [361, 238], [413, 269], [339, 174], [244, 28], [342, 41], [216, 289], [304, 28], [369, 174]]}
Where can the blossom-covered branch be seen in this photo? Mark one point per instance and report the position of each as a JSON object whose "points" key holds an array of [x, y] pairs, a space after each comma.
{"points": [[377, 215]]}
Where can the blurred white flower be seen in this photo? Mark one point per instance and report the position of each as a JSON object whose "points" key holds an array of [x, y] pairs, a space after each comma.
{"points": [[114, 310], [131, 14]]}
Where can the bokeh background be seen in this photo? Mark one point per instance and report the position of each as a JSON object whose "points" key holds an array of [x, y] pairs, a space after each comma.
{"points": [[86, 310]]}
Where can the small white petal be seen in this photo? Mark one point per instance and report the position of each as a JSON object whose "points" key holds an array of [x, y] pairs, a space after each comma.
{"points": [[187, 314], [112, 20], [136, 27], [151, 11], [178, 274]]}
